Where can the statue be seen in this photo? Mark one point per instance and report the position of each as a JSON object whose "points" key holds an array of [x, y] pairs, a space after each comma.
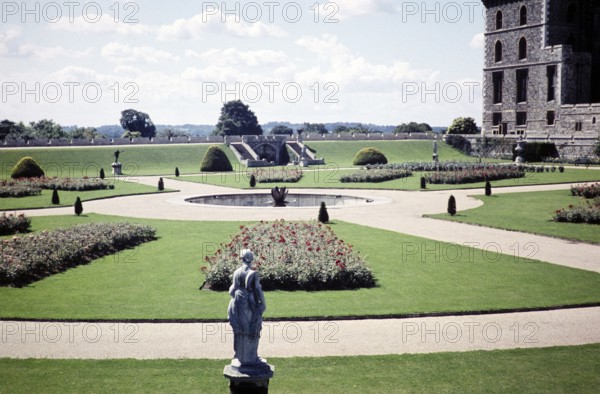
{"points": [[279, 196], [245, 315], [435, 150], [117, 153]]}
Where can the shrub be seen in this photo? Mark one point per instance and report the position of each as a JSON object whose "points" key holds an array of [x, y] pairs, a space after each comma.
{"points": [[161, 184], [375, 176], [55, 198], [177, 171], [582, 213], [452, 205], [587, 191], [78, 206], [459, 142], [475, 175], [13, 224], [369, 156], [323, 214], [30, 258], [215, 160], [56, 183], [561, 169], [252, 180], [423, 183], [488, 188], [291, 256], [274, 175], [12, 189], [102, 175], [27, 167]]}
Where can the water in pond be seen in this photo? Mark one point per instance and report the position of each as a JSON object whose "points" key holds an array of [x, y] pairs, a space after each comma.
{"points": [[293, 200]]}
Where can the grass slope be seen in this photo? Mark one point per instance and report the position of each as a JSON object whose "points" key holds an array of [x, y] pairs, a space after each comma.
{"points": [[160, 279], [87, 161], [550, 370], [506, 211]]}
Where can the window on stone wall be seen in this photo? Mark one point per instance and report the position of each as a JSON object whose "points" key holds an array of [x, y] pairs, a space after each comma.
{"points": [[523, 16], [498, 20], [522, 82], [578, 126], [522, 48], [498, 51], [496, 118], [551, 77], [571, 13], [522, 118], [550, 118], [594, 120], [497, 82]]}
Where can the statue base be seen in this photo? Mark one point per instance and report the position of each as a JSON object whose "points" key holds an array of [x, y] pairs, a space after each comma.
{"points": [[116, 168], [249, 379]]}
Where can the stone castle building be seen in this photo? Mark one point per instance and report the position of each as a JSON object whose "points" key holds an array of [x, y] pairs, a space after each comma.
{"points": [[542, 67]]}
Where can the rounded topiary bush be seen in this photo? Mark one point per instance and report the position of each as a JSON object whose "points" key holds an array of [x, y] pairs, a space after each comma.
{"points": [[369, 156], [27, 167], [215, 160]]}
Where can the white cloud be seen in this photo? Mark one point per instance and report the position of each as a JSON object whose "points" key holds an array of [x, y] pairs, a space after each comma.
{"points": [[105, 24], [10, 46], [233, 56], [200, 24], [124, 53], [343, 9], [477, 41]]}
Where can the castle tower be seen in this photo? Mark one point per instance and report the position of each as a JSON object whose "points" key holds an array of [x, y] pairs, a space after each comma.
{"points": [[542, 67]]}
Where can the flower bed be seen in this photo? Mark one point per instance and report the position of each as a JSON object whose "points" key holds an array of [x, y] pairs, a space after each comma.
{"points": [[11, 224], [69, 184], [18, 191], [291, 256], [475, 175], [582, 213], [587, 191], [375, 175], [33, 257], [272, 175]]}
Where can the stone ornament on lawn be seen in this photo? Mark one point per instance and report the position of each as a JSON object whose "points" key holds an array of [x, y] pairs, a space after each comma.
{"points": [[245, 312]]}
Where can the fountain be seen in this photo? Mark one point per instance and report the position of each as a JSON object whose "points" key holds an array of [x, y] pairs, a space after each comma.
{"points": [[279, 196]]}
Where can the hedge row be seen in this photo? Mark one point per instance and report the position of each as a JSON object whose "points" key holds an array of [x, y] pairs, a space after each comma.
{"points": [[12, 224]]}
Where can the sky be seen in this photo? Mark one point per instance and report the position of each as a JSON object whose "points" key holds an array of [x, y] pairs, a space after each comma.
{"points": [[372, 61]]}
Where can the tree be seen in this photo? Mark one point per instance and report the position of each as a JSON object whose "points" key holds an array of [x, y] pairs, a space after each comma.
{"points": [[413, 127], [86, 133], [252, 180], [170, 133], [131, 134], [27, 167], [161, 184], [488, 188], [463, 126], [78, 206], [452, 205], [47, 129], [215, 160], [55, 198], [282, 130], [315, 128], [341, 129], [11, 130], [323, 214], [177, 171], [132, 120], [102, 176], [237, 119]]}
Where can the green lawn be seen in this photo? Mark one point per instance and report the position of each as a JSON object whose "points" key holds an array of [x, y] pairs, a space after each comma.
{"points": [[67, 198], [529, 212], [87, 161], [548, 370], [161, 279], [321, 177]]}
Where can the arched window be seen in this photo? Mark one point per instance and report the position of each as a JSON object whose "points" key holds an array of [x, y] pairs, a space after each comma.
{"points": [[498, 20], [571, 13], [498, 51], [522, 48], [523, 16], [594, 120]]}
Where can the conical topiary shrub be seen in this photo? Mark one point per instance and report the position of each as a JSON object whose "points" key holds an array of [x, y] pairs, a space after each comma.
{"points": [[177, 171], [161, 184], [323, 214], [55, 198], [488, 188], [369, 156], [102, 176], [252, 180], [27, 167], [452, 205], [78, 206], [423, 183], [215, 160]]}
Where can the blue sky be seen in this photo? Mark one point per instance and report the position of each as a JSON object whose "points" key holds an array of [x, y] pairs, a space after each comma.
{"points": [[370, 61]]}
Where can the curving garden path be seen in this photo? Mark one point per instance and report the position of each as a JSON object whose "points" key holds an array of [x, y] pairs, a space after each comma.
{"points": [[394, 210]]}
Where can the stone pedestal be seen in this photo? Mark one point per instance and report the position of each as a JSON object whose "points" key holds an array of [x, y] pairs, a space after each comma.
{"points": [[249, 379], [520, 152], [116, 168], [435, 158]]}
